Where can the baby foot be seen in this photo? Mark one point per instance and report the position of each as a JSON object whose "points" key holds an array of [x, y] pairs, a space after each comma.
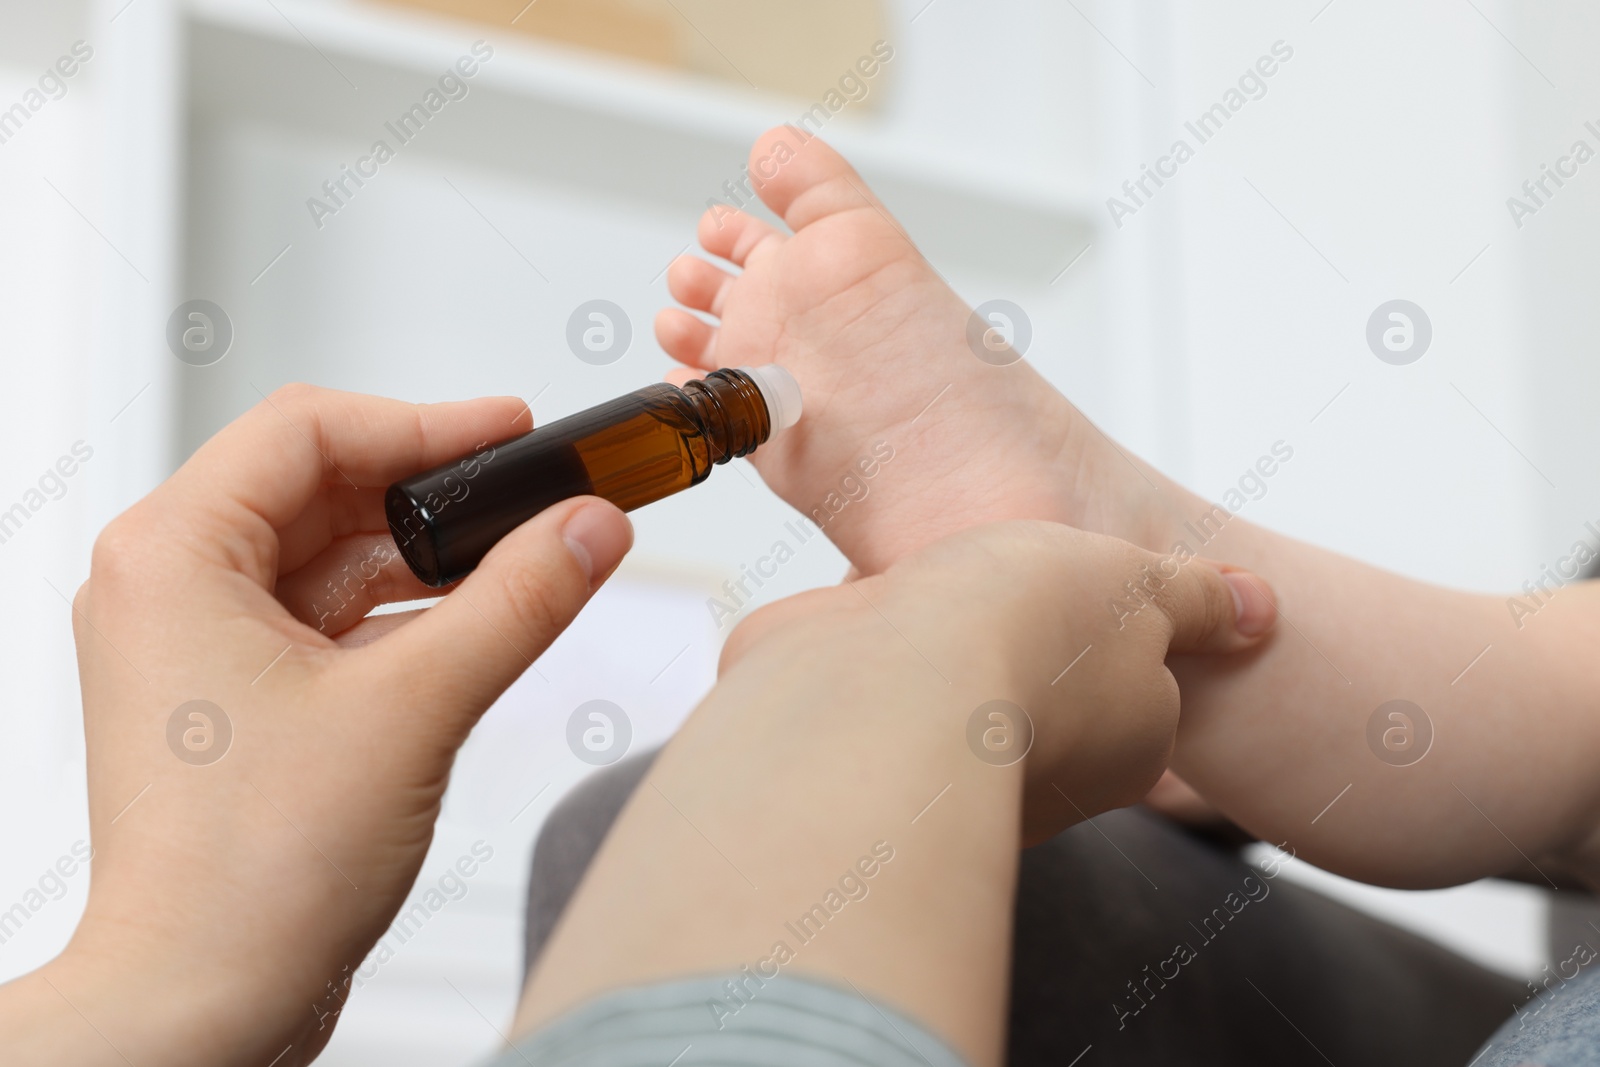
{"points": [[907, 435]]}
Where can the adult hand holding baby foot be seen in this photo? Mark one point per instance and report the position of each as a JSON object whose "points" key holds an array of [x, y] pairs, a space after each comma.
{"points": [[879, 342], [839, 715], [1008, 613]]}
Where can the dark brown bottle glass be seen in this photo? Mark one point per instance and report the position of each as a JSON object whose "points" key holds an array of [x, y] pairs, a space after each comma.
{"points": [[632, 451]]}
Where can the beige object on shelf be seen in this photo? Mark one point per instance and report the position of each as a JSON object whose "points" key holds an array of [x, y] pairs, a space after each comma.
{"points": [[801, 47]]}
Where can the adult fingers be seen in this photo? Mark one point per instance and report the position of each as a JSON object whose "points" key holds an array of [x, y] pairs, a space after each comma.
{"points": [[349, 578], [453, 661], [1215, 608], [337, 511], [275, 458]]}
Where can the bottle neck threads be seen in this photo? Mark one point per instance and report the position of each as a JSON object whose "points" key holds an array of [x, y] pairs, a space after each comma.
{"points": [[733, 410]]}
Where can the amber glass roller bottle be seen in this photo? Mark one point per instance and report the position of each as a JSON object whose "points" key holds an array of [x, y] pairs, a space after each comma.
{"points": [[632, 451]]}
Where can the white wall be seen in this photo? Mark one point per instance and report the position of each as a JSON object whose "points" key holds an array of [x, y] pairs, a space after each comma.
{"points": [[1383, 142], [1552, 272], [50, 263]]}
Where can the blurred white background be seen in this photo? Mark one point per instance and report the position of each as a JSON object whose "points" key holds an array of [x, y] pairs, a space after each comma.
{"points": [[1228, 313]]}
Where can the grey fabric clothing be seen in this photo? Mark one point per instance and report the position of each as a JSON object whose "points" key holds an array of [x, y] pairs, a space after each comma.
{"points": [[1558, 1028], [1279, 975], [785, 1021]]}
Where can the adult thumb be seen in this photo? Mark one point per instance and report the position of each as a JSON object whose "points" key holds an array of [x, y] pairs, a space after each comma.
{"points": [[462, 653], [1217, 608]]}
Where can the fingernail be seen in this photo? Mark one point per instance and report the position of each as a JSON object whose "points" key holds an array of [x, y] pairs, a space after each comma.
{"points": [[598, 535], [1254, 609]]}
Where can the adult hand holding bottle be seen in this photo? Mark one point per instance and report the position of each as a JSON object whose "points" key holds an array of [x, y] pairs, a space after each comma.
{"points": [[245, 857]]}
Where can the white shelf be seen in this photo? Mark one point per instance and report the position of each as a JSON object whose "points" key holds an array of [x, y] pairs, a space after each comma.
{"points": [[372, 44]]}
